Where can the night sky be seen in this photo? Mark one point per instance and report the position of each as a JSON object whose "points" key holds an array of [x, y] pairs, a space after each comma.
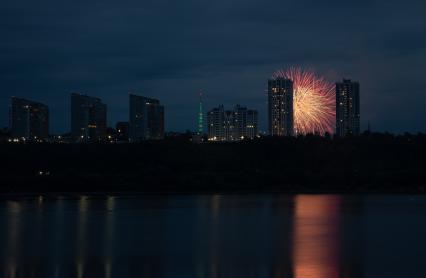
{"points": [[172, 49]]}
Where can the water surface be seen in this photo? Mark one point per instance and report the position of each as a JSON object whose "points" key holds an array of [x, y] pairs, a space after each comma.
{"points": [[214, 236]]}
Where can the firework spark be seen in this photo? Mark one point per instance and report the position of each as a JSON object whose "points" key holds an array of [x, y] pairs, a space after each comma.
{"points": [[313, 101]]}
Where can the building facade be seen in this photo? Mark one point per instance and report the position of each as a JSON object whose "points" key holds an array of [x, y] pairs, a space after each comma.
{"points": [[200, 119], [280, 107], [252, 124], [29, 120], [240, 122], [232, 125], [347, 108], [146, 119], [216, 123], [88, 119]]}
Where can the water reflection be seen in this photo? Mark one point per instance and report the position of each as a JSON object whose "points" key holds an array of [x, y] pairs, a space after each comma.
{"points": [[109, 235], [12, 242], [81, 226], [316, 237], [57, 235], [180, 236]]}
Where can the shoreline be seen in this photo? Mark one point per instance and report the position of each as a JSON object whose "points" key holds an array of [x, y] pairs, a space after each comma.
{"points": [[131, 194], [370, 164]]}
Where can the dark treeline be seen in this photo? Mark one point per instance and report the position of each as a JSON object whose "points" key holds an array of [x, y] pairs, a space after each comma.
{"points": [[369, 163]]}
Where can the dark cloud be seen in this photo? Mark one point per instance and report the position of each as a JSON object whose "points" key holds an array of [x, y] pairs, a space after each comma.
{"points": [[172, 49]]}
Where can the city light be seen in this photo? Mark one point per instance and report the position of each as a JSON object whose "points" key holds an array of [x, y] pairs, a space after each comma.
{"points": [[313, 101]]}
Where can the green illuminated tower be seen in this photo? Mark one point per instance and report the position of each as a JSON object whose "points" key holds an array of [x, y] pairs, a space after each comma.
{"points": [[200, 115]]}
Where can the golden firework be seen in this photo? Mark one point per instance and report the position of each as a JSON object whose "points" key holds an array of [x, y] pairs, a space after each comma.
{"points": [[313, 101]]}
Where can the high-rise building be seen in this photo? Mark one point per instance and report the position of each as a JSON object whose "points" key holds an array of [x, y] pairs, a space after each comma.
{"points": [[280, 107], [347, 108], [88, 118], [231, 125], [122, 129], [240, 122], [252, 131], [216, 123], [146, 119], [229, 132], [29, 119], [200, 127]]}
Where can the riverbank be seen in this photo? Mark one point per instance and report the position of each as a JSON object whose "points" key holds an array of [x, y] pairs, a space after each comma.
{"points": [[377, 163]]}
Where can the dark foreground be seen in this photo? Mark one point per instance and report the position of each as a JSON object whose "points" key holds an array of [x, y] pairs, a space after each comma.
{"points": [[301, 236], [370, 163]]}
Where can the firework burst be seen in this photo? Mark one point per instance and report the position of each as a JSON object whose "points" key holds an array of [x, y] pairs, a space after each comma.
{"points": [[313, 101]]}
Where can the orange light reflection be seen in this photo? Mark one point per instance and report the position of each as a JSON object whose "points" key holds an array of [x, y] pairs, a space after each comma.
{"points": [[316, 231]]}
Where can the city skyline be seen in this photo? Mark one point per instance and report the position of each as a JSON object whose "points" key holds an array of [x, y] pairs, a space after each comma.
{"points": [[89, 114], [52, 49], [263, 121]]}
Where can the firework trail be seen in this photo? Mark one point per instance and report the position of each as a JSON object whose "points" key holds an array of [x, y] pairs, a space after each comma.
{"points": [[313, 101]]}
